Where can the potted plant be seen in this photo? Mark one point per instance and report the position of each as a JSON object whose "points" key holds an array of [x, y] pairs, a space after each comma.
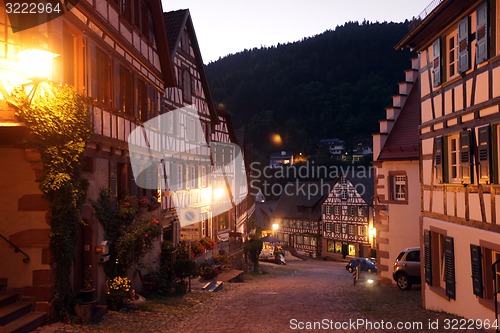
{"points": [[117, 291], [87, 293]]}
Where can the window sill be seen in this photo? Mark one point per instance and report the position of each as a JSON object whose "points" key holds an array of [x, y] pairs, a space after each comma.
{"points": [[440, 292], [398, 202], [488, 303]]}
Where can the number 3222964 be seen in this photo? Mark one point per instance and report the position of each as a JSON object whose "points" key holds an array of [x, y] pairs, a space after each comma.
{"points": [[32, 8]]}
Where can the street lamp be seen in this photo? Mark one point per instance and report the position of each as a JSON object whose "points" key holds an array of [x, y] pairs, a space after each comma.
{"points": [[276, 226], [36, 63]]}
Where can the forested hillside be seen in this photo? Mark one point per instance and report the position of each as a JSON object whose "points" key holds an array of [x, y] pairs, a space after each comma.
{"points": [[335, 84]]}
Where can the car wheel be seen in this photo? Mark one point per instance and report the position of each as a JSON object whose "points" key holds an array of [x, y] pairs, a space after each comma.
{"points": [[403, 282], [350, 269]]}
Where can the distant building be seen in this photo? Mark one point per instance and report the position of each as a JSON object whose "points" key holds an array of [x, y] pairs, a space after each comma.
{"points": [[281, 159], [361, 151], [334, 147], [397, 185], [347, 218], [298, 216]]}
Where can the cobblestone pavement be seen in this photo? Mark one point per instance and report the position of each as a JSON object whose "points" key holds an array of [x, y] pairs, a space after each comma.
{"points": [[284, 299]]}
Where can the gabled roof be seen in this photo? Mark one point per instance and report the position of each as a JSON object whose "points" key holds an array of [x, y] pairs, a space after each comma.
{"points": [[363, 183], [308, 194], [175, 22], [403, 140], [162, 42]]}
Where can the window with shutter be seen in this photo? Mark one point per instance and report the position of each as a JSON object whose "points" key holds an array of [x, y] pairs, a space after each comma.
{"points": [[449, 267], [482, 32], [477, 270], [427, 257], [438, 158], [465, 157], [463, 45], [436, 62], [483, 146]]}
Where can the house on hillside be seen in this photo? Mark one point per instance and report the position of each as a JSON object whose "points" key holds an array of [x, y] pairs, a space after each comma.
{"points": [[118, 57], [397, 185], [459, 44], [281, 159], [298, 216], [332, 147], [347, 217]]}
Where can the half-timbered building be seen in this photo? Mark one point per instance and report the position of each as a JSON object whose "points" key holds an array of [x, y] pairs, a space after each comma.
{"points": [[458, 44], [229, 180], [114, 52], [347, 217], [397, 181], [190, 127], [298, 216]]}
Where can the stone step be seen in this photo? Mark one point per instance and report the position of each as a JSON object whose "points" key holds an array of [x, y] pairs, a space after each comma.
{"points": [[8, 298], [26, 323], [215, 286], [13, 311]]}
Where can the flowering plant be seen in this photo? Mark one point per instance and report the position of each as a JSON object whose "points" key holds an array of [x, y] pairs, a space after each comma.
{"points": [[197, 249], [207, 243], [118, 288]]}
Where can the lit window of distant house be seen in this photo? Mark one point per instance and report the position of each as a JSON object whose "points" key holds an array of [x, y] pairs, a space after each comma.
{"points": [[337, 228], [352, 229], [328, 209], [337, 210]]}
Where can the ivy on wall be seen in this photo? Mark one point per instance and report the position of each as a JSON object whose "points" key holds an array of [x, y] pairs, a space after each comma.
{"points": [[59, 128]]}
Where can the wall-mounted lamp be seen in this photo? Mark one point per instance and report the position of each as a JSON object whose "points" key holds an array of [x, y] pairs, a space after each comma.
{"points": [[36, 64]]}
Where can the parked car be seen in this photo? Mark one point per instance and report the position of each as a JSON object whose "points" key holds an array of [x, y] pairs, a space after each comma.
{"points": [[406, 270], [365, 264]]}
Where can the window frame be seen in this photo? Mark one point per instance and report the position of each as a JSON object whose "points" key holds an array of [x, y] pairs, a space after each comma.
{"points": [[394, 182]]}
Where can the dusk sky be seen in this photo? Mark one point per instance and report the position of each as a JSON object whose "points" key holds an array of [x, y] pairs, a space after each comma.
{"points": [[228, 26]]}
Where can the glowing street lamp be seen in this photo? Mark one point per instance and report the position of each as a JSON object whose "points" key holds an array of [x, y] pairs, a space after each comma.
{"points": [[276, 226]]}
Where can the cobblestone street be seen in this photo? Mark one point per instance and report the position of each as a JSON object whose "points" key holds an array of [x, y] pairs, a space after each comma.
{"points": [[286, 298]]}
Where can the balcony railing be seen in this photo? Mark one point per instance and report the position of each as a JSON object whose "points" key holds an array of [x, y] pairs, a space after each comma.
{"points": [[416, 20]]}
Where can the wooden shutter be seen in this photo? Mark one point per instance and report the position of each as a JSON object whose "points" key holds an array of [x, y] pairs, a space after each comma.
{"points": [[438, 158], [483, 146], [449, 267], [463, 45], [427, 257], [482, 32], [477, 270], [465, 157], [436, 62]]}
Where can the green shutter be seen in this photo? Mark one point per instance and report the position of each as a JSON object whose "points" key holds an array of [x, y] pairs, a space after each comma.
{"points": [[463, 45], [438, 158], [477, 270], [449, 267], [482, 32], [427, 257], [436, 62], [465, 157], [483, 146]]}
